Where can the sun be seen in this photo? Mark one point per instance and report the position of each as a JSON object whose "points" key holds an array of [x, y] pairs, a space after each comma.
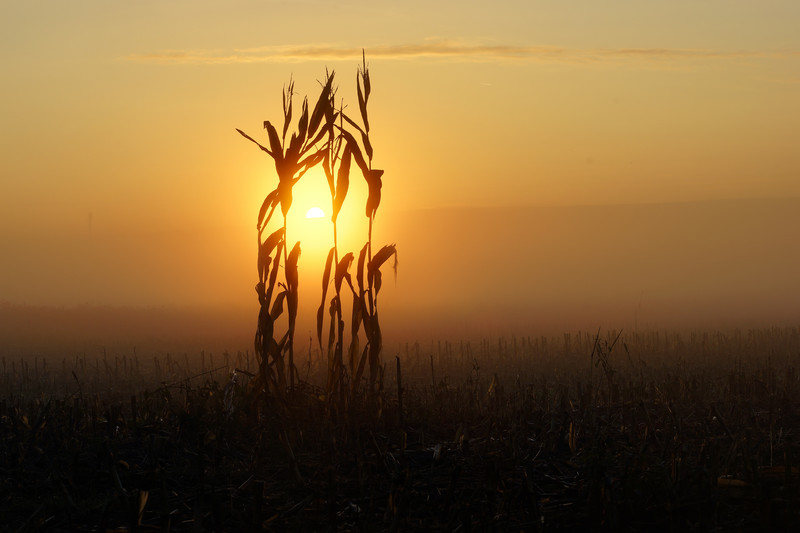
{"points": [[315, 212]]}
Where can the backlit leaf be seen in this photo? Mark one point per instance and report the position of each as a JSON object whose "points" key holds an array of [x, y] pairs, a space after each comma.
{"points": [[342, 183], [374, 184], [362, 104], [353, 123], [269, 202], [274, 141], [287, 107], [320, 109], [302, 127], [351, 141], [341, 270], [277, 305], [326, 166], [367, 145], [272, 241], [326, 276], [360, 274], [373, 268], [264, 148], [291, 267], [365, 74]]}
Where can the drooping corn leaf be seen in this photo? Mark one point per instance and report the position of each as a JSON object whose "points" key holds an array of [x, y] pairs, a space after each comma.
{"points": [[277, 305], [269, 202], [353, 123], [291, 297], [312, 160], [374, 266], [341, 270], [274, 141], [374, 184], [326, 276], [265, 327], [273, 275], [367, 146], [360, 273], [326, 166], [353, 144], [342, 183], [264, 148], [382, 256], [285, 195], [291, 267], [272, 241]]}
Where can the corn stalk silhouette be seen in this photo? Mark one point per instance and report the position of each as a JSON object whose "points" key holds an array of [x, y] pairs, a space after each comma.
{"points": [[305, 149], [342, 149]]}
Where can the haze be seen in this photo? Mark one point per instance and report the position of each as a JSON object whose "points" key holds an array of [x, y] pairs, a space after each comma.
{"points": [[548, 166]]}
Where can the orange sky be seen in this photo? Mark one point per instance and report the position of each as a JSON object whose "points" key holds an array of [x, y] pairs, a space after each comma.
{"points": [[125, 114]]}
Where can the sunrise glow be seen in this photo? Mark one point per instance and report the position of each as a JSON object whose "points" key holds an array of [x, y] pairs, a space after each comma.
{"points": [[315, 212]]}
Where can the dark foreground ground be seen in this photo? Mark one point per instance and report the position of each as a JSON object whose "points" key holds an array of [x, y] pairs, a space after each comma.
{"points": [[652, 433]]}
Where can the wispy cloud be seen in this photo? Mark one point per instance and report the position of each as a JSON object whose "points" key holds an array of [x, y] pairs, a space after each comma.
{"points": [[452, 50]]}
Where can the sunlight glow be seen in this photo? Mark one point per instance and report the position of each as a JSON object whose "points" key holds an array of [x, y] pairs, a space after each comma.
{"points": [[315, 212]]}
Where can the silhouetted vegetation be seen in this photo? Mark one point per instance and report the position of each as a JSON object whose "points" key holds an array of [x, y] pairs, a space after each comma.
{"points": [[648, 431], [320, 139]]}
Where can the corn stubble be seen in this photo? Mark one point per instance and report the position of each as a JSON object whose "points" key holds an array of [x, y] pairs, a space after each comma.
{"points": [[330, 137]]}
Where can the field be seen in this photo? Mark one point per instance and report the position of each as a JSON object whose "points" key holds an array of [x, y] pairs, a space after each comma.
{"points": [[631, 431]]}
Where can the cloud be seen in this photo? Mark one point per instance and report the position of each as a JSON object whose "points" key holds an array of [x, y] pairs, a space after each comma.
{"points": [[451, 50]]}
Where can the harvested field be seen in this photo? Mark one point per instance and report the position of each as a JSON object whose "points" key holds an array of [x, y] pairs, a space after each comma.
{"points": [[634, 432]]}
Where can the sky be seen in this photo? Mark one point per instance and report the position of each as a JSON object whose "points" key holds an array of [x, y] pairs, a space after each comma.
{"points": [[123, 181]]}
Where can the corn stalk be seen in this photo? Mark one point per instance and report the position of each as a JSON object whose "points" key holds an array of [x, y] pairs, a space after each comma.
{"points": [[305, 149]]}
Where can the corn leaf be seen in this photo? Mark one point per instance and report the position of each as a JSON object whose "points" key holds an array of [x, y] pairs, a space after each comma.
{"points": [[362, 104], [273, 275], [302, 126], [353, 123], [374, 183], [365, 74], [360, 273], [374, 266], [367, 145], [264, 148], [326, 276], [342, 183], [341, 270], [269, 201], [287, 107], [326, 166], [273, 240], [274, 141], [325, 129], [277, 305], [320, 110], [285, 195], [291, 267], [382, 256], [353, 144]]}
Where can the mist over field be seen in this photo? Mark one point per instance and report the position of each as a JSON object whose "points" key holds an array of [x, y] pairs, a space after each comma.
{"points": [[463, 273]]}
